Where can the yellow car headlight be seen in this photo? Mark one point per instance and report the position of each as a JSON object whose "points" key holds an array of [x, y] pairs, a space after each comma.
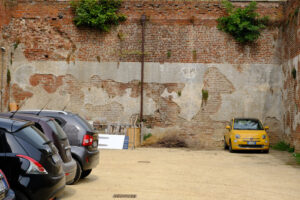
{"points": [[237, 136], [264, 136]]}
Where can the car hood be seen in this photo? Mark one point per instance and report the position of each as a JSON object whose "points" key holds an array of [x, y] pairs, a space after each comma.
{"points": [[249, 133]]}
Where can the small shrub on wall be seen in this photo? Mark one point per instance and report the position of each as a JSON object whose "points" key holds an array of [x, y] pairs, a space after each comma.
{"points": [[244, 24], [99, 14]]}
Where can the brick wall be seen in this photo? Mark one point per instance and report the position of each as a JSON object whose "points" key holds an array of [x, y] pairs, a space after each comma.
{"points": [[186, 29], [97, 74], [291, 61]]}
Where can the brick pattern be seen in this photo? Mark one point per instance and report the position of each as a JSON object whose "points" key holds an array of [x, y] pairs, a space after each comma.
{"points": [[290, 50], [176, 31], [19, 94], [186, 29]]}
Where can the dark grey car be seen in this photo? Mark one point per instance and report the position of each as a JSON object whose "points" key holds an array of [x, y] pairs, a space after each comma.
{"points": [[83, 139], [59, 138]]}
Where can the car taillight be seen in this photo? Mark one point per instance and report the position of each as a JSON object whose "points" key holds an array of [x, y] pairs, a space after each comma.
{"points": [[35, 167], [87, 140]]}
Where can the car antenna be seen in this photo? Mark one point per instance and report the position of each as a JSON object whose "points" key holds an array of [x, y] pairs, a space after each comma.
{"points": [[19, 107], [43, 108]]}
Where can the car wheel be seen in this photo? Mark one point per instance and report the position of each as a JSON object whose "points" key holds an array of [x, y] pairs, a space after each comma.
{"points": [[20, 195], [230, 147], [85, 173], [266, 151], [78, 173], [225, 144]]}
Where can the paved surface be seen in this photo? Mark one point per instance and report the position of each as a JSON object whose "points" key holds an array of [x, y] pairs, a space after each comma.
{"points": [[172, 174]]}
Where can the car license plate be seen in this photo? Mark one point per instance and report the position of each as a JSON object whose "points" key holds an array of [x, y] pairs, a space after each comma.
{"points": [[251, 143], [95, 143]]}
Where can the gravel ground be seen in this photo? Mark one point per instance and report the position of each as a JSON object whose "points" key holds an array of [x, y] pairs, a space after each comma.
{"points": [[170, 174]]}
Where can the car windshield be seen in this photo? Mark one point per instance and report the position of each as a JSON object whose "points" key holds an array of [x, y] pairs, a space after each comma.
{"points": [[247, 124], [32, 135], [58, 131], [84, 123]]}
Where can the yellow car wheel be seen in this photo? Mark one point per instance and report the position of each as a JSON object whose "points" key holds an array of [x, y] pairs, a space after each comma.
{"points": [[225, 144], [230, 147], [266, 151]]}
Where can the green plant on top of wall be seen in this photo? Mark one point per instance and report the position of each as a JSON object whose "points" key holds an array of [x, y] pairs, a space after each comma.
{"points": [[99, 14], [244, 24]]}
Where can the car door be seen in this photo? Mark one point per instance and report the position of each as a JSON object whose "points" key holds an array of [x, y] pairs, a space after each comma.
{"points": [[2, 152], [227, 134]]}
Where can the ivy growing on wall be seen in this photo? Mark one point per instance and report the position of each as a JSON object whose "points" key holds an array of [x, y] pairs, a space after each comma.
{"points": [[99, 14], [244, 24]]}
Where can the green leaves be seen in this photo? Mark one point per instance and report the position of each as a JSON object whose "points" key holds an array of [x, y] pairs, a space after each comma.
{"points": [[99, 14], [244, 24]]}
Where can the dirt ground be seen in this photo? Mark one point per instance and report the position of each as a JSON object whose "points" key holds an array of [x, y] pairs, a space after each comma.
{"points": [[157, 173]]}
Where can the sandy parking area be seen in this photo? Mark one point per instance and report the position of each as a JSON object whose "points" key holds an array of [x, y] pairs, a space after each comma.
{"points": [[170, 174]]}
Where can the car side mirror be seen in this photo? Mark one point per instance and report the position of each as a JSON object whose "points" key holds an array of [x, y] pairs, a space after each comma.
{"points": [[228, 127], [266, 127]]}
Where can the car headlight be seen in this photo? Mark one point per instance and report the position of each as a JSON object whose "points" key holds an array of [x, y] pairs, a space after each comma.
{"points": [[264, 136], [237, 136]]}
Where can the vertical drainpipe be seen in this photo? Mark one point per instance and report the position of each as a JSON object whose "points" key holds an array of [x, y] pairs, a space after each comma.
{"points": [[143, 20], [2, 71]]}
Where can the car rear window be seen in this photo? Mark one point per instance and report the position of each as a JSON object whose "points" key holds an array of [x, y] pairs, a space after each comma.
{"points": [[84, 123], [32, 135], [58, 131], [247, 124]]}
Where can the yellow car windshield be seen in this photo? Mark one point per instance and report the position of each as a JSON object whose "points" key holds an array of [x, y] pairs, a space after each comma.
{"points": [[247, 124]]}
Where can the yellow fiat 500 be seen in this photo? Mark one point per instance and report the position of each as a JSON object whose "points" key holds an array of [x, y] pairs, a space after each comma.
{"points": [[246, 134]]}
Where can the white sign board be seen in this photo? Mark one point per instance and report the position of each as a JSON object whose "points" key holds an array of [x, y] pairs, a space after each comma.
{"points": [[111, 141]]}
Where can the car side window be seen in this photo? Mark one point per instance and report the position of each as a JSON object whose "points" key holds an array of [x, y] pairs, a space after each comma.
{"points": [[1, 142], [39, 127], [60, 121]]}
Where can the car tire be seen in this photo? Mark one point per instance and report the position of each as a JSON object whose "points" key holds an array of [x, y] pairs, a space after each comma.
{"points": [[78, 173], [85, 173], [230, 147], [266, 151], [225, 144], [20, 195]]}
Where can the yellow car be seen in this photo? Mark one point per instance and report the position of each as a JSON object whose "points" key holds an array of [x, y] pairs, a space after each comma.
{"points": [[246, 134]]}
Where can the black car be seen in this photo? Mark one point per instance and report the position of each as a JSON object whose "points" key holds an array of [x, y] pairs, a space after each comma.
{"points": [[82, 137], [55, 133], [6, 193], [30, 161]]}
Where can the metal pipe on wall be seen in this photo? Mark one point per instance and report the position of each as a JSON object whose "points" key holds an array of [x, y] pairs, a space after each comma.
{"points": [[143, 21], [2, 72]]}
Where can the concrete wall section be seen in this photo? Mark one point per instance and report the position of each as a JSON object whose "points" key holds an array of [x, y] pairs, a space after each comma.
{"points": [[98, 74], [110, 92]]}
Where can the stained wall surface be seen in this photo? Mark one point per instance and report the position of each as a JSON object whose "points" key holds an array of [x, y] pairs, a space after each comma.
{"points": [[98, 74]]}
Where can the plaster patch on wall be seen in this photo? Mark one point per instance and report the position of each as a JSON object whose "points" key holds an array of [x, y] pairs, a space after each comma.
{"points": [[99, 97], [95, 96], [20, 75], [166, 94], [189, 72], [190, 100], [41, 98]]}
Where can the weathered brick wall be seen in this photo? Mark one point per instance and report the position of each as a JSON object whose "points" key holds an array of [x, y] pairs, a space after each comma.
{"points": [[98, 74], [290, 34], [181, 27]]}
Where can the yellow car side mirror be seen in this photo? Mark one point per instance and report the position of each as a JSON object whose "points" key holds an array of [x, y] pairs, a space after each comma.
{"points": [[228, 127], [266, 127]]}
